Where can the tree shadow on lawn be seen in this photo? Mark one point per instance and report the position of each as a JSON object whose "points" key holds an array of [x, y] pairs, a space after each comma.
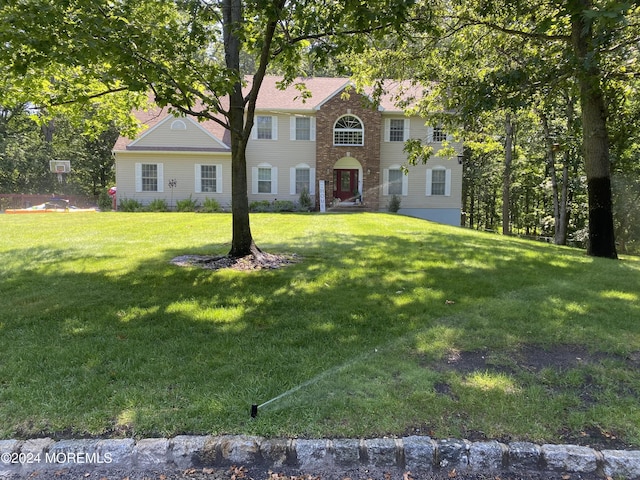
{"points": [[163, 350]]}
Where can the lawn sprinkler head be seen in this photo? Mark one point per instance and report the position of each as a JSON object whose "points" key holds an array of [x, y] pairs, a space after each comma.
{"points": [[254, 410]]}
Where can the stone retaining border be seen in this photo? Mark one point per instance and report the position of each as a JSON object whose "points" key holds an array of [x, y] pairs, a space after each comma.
{"points": [[418, 454]]}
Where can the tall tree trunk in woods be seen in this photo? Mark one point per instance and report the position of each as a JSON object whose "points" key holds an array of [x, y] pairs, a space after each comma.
{"points": [[550, 148], [506, 174], [563, 219], [595, 138]]}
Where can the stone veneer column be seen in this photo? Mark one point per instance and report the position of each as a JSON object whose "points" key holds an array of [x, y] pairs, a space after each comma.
{"points": [[368, 155]]}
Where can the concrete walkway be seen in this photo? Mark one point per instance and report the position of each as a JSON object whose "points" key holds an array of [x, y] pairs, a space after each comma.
{"points": [[418, 454]]}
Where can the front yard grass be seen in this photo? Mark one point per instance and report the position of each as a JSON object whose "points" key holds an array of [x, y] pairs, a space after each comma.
{"points": [[387, 325]]}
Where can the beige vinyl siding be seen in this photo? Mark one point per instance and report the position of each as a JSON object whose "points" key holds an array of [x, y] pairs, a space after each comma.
{"points": [[162, 135], [282, 154], [178, 166], [392, 154]]}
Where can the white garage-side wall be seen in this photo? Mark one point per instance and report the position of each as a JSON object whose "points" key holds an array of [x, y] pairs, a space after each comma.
{"points": [[177, 166]]}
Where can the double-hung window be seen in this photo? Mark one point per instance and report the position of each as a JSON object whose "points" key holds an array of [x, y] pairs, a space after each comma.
{"points": [[149, 177], [396, 182], [439, 181], [396, 129], [264, 179], [437, 134], [208, 178], [265, 128], [303, 128], [302, 177]]}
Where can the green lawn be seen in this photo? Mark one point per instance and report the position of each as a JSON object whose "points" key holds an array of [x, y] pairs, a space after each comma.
{"points": [[367, 335]]}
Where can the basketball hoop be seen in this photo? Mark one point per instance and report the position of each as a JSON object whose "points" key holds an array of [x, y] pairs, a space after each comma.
{"points": [[60, 168]]}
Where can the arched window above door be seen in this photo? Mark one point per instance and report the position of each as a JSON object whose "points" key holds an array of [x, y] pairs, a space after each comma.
{"points": [[348, 130]]}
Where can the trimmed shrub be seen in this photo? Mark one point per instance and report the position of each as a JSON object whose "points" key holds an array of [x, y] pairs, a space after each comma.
{"points": [[186, 205], [158, 205], [129, 205], [284, 206], [210, 205], [260, 206]]}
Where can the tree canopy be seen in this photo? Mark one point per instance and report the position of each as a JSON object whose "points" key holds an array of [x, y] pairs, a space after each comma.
{"points": [[193, 55], [480, 56]]}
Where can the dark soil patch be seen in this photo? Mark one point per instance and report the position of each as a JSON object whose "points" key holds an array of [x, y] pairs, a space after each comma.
{"points": [[265, 261], [532, 359], [529, 358]]}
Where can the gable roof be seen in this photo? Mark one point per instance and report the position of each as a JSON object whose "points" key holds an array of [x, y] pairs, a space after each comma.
{"points": [[273, 98]]}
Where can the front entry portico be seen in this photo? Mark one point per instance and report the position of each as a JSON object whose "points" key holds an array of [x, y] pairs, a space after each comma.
{"points": [[347, 179], [345, 184]]}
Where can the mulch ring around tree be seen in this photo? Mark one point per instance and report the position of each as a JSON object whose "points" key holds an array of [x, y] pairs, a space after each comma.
{"points": [[264, 261]]}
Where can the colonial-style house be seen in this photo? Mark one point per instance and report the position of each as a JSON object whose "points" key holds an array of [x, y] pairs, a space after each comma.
{"points": [[333, 139]]}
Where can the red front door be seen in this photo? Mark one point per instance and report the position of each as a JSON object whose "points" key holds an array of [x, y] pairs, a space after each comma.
{"points": [[345, 183]]}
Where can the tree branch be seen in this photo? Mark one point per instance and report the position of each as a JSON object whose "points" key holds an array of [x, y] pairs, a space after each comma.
{"points": [[82, 98], [519, 33]]}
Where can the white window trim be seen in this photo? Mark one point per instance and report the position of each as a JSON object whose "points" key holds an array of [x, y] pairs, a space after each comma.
{"points": [[138, 175], [274, 179], [274, 129], [198, 177], [447, 181], [292, 179], [333, 132], [405, 130], [385, 180], [293, 130], [430, 136], [178, 125]]}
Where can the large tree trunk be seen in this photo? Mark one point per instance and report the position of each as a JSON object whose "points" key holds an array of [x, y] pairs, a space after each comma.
{"points": [[595, 138], [242, 241], [506, 174]]}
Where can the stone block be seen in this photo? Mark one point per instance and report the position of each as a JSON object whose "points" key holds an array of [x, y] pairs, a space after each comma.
{"points": [[34, 453], [621, 463], [76, 453], [239, 449], [276, 452], [486, 456], [9, 464], [419, 453], [186, 450], [570, 458], [382, 452], [452, 453], [524, 455], [151, 452], [118, 452], [346, 452], [312, 454]]}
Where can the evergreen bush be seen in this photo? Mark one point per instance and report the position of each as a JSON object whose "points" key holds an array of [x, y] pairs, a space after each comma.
{"points": [[304, 201], [394, 204], [105, 203]]}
